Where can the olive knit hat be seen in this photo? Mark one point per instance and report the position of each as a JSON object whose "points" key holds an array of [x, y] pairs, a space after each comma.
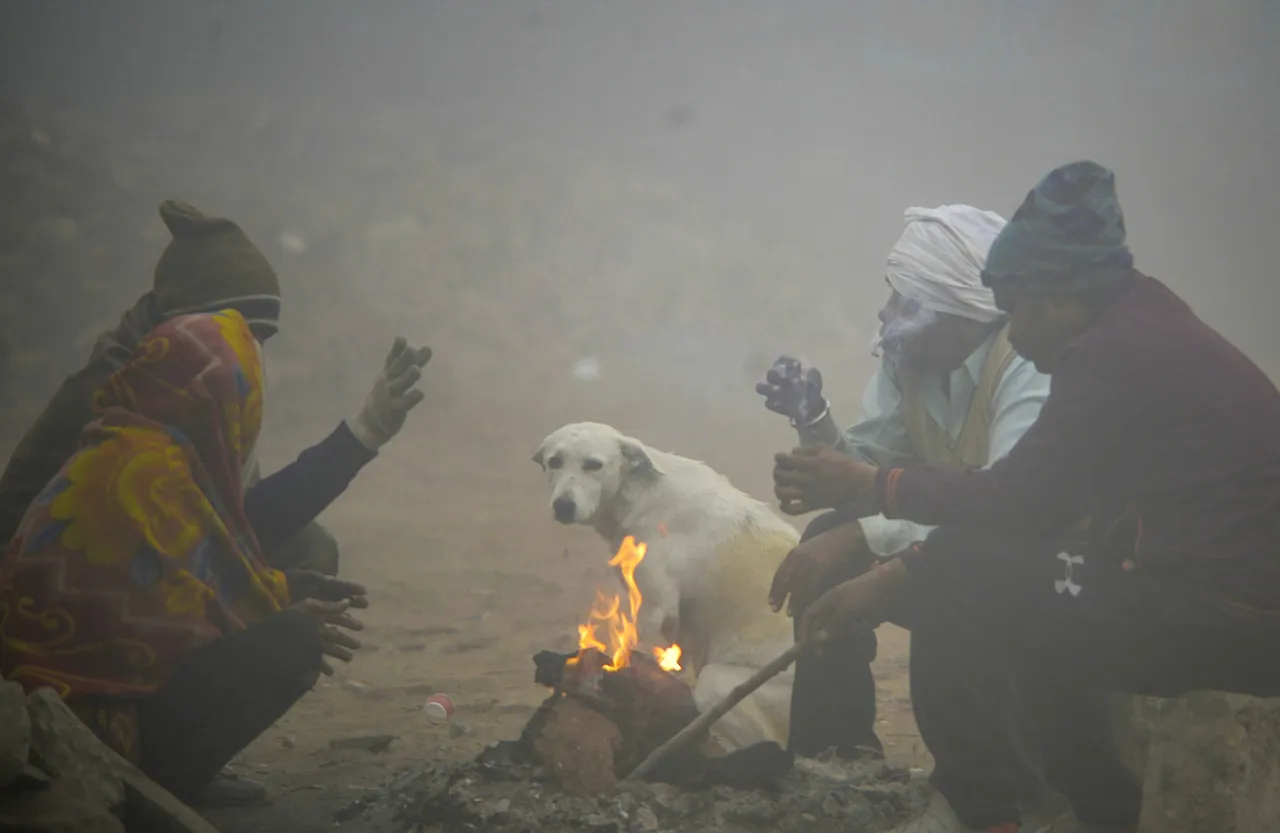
{"points": [[209, 265]]}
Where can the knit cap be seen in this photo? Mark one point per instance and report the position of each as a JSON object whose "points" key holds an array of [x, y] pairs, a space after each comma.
{"points": [[210, 265], [1068, 235]]}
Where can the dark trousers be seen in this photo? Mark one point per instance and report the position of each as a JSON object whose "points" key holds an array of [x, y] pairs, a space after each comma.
{"points": [[833, 699], [223, 697], [991, 615]]}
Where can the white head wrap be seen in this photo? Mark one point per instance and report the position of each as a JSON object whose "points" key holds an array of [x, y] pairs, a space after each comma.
{"points": [[938, 260]]}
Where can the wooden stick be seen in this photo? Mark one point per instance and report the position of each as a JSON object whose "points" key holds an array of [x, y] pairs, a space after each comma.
{"points": [[702, 722]]}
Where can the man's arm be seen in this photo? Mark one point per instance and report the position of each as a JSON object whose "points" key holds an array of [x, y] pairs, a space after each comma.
{"points": [[1043, 482], [879, 436], [1017, 402], [281, 504]]}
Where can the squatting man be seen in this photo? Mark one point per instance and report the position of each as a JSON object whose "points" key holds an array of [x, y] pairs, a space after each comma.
{"points": [[949, 389], [1164, 435]]}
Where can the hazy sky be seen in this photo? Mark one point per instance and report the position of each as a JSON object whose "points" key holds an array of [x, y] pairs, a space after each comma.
{"points": [[821, 119]]}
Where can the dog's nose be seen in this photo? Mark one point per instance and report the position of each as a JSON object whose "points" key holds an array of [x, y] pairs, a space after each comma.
{"points": [[564, 509]]}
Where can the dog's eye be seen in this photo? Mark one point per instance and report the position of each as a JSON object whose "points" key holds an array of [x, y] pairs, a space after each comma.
{"points": [[555, 463], [592, 465]]}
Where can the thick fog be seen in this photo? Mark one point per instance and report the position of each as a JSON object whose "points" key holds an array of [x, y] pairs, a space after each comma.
{"points": [[740, 151]]}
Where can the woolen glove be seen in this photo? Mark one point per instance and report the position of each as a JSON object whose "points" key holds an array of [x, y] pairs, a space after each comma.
{"points": [[794, 390], [392, 397]]}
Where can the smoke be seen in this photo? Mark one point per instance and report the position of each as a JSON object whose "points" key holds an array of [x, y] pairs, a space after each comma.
{"points": [[902, 324]]}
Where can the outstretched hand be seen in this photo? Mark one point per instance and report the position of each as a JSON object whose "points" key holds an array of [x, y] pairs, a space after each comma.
{"points": [[310, 584], [332, 621], [393, 395]]}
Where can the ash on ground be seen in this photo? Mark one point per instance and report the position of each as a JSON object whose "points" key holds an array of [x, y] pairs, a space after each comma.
{"points": [[492, 794]]}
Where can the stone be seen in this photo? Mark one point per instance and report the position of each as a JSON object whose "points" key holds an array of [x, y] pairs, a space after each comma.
{"points": [[646, 819], [15, 733], [87, 772], [1213, 763], [68, 751], [57, 810]]}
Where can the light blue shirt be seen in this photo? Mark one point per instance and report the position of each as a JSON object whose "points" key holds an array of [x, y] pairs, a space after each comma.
{"points": [[879, 435]]}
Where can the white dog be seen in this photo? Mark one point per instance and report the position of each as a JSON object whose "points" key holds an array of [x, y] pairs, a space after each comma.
{"points": [[712, 552]]}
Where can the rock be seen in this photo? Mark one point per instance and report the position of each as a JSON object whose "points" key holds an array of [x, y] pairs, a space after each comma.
{"points": [[87, 772], [598, 823], [57, 810], [68, 751], [1213, 764], [15, 733], [646, 819]]}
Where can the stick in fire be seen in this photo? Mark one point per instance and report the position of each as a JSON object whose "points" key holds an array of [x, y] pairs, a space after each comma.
{"points": [[702, 722]]}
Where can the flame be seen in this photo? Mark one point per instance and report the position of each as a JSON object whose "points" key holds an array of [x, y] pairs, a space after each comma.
{"points": [[668, 658], [618, 635]]}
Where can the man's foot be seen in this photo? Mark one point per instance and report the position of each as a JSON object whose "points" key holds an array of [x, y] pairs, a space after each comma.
{"points": [[230, 790], [1070, 824], [938, 817]]}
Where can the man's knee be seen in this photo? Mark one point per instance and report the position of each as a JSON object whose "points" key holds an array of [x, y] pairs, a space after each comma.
{"points": [[313, 548], [856, 647], [826, 522]]}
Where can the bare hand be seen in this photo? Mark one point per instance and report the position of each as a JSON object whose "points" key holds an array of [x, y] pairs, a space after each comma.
{"points": [[817, 565], [332, 620], [864, 600], [310, 584], [819, 477]]}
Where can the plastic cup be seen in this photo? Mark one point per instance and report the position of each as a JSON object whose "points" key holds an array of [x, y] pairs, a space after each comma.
{"points": [[439, 708]]}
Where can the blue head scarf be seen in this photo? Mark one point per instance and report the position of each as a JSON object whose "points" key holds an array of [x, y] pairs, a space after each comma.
{"points": [[1067, 235]]}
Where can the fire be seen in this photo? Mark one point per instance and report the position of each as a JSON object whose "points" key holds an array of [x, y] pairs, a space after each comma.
{"points": [[668, 658], [610, 629]]}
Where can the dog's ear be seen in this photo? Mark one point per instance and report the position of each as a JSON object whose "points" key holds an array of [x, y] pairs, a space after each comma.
{"points": [[538, 456], [635, 458]]}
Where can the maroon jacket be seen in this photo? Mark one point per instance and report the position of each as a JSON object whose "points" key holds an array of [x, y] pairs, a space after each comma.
{"points": [[1157, 427]]}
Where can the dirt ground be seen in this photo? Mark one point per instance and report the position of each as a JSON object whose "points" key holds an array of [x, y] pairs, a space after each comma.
{"points": [[450, 528], [469, 576]]}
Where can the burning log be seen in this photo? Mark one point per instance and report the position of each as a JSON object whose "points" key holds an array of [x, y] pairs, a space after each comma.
{"points": [[596, 713], [611, 707]]}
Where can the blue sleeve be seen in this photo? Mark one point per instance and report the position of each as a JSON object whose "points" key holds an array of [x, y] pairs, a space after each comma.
{"points": [[279, 506]]}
